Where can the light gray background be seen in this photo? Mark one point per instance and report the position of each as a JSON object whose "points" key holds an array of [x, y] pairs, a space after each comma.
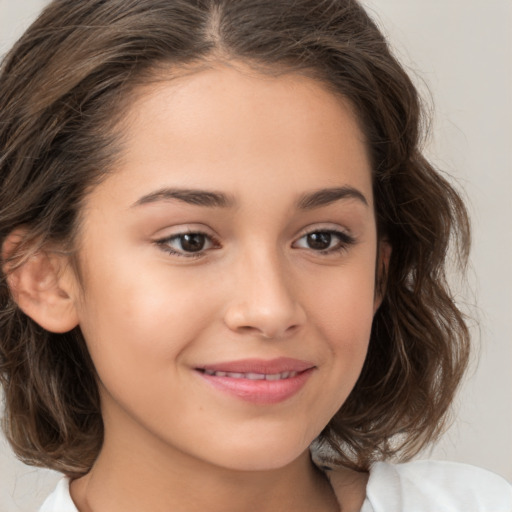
{"points": [[463, 50]]}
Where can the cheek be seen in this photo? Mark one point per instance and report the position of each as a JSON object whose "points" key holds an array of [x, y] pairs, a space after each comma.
{"points": [[343, 317], [140, 322], [344, 305]]}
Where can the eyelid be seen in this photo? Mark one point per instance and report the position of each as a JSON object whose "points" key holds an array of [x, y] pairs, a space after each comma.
{"points": [[163, 243], [326, 228], [346, 239]]}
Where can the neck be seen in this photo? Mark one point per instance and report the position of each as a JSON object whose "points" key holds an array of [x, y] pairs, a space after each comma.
{"points": [[127, 477]]}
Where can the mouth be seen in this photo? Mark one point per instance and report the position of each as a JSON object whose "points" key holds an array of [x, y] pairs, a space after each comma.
{"points": [[258, 381], [252, 376]]}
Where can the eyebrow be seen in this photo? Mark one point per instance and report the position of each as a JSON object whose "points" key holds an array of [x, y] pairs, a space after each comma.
{"points": [[327, 196], [213, 199], [195, 197]]}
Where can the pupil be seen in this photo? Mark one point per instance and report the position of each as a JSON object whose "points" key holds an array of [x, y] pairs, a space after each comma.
{"points": [[192, 242], [319, 240]]}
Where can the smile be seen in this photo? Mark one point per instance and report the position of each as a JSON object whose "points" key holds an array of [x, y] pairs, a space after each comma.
{"points": [[258, 381], [252, 376]]}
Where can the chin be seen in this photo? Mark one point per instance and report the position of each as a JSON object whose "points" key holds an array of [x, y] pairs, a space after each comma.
{"points": [[261, 457]]}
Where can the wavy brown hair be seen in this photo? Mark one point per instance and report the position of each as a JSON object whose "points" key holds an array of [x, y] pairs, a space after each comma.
{"points": [[64, 87]]}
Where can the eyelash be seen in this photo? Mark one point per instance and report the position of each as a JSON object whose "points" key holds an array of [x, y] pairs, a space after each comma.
{"points": [[344, 242], [164, 244]]}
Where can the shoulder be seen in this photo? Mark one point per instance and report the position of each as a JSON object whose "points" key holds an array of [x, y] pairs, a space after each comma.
{"points": [[425, 486], [60, 499]]}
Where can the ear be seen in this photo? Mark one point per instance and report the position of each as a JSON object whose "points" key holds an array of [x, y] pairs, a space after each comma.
{"points": [[42, 284], [381, 272]]}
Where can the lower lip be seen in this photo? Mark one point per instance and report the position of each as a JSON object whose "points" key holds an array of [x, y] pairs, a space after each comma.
{"points": [[260, 391]]}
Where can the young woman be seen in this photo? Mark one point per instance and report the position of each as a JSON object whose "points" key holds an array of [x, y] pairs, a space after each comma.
{"points": [[223, 263]]}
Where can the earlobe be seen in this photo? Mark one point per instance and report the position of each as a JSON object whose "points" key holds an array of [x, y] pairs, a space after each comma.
{"points": [[381, 273], [41, 286]]}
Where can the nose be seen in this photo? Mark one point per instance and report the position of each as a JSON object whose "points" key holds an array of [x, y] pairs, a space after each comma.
{"points": [[263, 301]]}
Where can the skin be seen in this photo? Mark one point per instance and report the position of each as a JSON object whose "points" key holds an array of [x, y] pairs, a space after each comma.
{"points": [[258, 290]]}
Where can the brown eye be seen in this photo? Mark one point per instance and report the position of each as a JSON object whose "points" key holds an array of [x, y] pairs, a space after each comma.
{"points": [[189, 244], [319, 241], [325, 242], [192, 242]]}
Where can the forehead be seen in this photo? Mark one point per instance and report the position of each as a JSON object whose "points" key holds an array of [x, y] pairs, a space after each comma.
{"points": [[230, 126]]}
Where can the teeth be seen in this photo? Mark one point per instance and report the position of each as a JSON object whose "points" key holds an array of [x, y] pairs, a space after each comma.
{"points": [[252, 376]]}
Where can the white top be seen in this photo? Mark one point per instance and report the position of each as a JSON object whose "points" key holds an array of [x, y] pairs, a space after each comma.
{"points": [[422, 486]]}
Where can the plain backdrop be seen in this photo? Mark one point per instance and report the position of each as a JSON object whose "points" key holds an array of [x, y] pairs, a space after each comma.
{"points": [[460, 54]]}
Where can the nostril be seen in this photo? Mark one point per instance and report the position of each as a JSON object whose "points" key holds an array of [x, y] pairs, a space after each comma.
{"points": [[264, 317]]}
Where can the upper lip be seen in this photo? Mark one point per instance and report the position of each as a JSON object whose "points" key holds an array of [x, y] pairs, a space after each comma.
{"points": [[263, 366]]}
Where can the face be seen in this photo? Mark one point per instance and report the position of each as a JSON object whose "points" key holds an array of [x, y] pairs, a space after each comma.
{"points": [[229, 268]]}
